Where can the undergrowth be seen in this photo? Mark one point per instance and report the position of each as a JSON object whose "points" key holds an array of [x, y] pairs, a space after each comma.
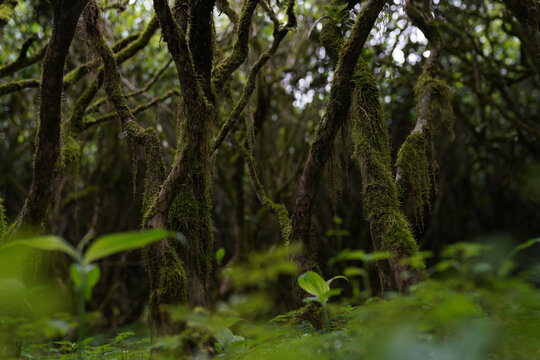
{"points": [[475, 304]]}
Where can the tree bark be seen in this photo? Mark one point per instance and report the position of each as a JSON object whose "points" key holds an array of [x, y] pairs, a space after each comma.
{"points": [[65, 17]]}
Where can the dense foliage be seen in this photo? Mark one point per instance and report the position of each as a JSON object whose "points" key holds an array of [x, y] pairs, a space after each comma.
{"points": [[252, 149]]}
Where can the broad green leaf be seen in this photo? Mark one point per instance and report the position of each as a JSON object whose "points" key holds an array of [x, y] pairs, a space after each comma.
{"points": [[309, 299], [114, 243], [313, 283], [445, 265], [11, 285], [464, 250], [49, 242]]}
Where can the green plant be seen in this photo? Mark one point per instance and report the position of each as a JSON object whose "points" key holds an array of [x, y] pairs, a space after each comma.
{"points": [[338, 232], [84, 272], [315, 285], [353, 271]]}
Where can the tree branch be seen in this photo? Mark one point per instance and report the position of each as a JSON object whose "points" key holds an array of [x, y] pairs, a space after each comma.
{"points": [[23, 60], [241, 48], [279, 35], [14, 86]]}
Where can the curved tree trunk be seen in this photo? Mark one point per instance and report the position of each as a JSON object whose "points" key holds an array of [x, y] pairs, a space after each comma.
{"points": [[66, 15]]}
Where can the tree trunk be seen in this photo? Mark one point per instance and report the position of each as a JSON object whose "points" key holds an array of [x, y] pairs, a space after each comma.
{"points": [[65, 17]]}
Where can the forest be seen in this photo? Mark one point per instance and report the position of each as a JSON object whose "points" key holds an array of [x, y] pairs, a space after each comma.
{"points": [[270, 179]]}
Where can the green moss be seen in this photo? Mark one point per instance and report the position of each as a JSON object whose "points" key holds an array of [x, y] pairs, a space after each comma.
{"points": [[397, 236], [191, 216], [18, 85], [389, 227], [283, 219], [331, 38], [71, 152], [172, 279], [415, 173], [416, 164], [6, 11], [440, 96], [169, 284]]}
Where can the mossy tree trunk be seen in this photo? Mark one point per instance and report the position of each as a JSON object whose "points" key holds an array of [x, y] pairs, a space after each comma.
{"points": [[390, 230], [179, 274], [336, 113], [416, 167], [47, 154], [65, 18], [183, 201], [388, 199], [146, 138]]}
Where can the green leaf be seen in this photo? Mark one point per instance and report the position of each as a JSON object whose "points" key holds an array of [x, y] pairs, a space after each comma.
{"points": [[76, 277], [92, 278], [332, 292], [220, 253], [49, 243], [335, 278], [354, 271], [525, 245], [90, 273], [509, 264], [378, 255], [114, 243], [313, 283]]}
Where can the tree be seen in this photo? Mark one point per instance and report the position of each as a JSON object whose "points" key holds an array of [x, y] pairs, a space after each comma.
{"points": [[227, 159]]}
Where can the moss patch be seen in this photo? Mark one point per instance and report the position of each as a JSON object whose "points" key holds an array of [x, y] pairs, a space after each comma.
{"points": [[191, 216], [441, 98], [415, 173], [6, 11]]}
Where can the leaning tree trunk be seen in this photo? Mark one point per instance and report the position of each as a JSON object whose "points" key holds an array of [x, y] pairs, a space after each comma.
{"points": [[390, 230], [389, 201], [336, 113]]}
